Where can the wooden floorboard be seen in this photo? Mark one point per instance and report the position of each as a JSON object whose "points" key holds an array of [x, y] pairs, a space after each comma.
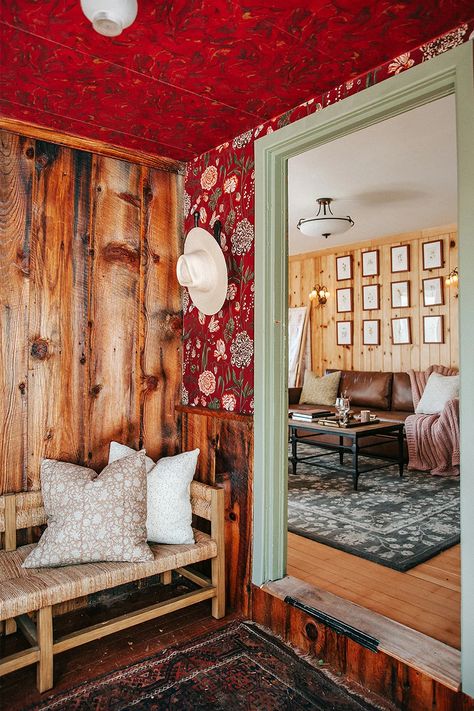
{"points": [[426, 598]]}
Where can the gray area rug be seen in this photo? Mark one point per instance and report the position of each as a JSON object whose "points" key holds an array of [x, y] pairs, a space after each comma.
{"points": [[397, 522]]}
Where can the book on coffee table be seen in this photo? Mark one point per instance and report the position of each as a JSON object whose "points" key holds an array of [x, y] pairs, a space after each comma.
{"points": [[307, 415]]}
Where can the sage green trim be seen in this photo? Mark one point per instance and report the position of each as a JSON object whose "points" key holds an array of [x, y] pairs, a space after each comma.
{"points": [[443, 75]]}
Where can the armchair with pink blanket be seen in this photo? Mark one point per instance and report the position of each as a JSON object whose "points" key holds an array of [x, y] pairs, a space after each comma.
{"points": [[433, 440]]}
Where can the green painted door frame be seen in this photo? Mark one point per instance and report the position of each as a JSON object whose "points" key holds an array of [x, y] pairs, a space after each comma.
{"points": [[449, 73]]}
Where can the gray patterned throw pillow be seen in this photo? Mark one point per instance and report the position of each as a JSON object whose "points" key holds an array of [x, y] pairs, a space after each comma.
{"points": [[93, 518]]}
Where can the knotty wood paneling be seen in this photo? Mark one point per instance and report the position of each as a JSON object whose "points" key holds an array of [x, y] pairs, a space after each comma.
{"points": [[16, 179], [226, 458], [114, 307], [320, 268], [161, 323], [90, 327], [57, 309]]}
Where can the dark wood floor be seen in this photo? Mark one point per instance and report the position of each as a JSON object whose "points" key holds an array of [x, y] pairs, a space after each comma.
{"points": [[18, 690]]}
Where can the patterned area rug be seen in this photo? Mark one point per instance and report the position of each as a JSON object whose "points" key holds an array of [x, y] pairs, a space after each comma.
{"points": [[238, 667], [396, 522]]}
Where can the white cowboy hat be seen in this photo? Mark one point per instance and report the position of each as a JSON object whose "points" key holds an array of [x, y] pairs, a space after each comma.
{"points": [[202, 269]]}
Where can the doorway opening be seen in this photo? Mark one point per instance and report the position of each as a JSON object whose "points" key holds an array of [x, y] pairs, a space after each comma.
{"points": [[392, 545], [451, 73]]}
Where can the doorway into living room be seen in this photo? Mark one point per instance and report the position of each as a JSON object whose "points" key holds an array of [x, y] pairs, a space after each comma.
{"points": [[372, 310]]}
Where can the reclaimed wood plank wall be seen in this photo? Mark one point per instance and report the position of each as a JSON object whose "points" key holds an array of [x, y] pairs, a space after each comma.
{"points": [[90, 329], [319, 268], [226, 459]]}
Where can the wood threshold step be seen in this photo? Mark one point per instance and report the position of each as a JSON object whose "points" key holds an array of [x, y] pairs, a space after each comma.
{"points": [[415, 649]]}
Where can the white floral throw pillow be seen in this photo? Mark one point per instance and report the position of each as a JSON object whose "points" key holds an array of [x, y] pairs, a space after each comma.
{"points": [[169, 514], [93, 518]]}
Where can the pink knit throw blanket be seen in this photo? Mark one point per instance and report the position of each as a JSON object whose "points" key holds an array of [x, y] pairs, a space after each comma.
{"points": [[433, 440]]}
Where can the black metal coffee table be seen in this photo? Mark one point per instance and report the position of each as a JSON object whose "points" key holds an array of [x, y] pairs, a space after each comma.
{"points": [[381, 431]]}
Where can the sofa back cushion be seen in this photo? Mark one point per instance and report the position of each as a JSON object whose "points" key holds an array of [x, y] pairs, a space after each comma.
{"points": [[367, 389], [402, 398]]}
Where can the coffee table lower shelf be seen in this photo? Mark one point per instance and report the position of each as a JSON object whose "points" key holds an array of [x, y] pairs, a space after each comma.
{"points": [[382, 432]]}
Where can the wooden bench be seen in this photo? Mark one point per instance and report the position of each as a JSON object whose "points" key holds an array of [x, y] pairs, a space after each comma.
{"points": [[25, 591]]}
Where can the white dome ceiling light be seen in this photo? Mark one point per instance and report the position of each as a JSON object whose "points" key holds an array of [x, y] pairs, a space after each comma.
{"points": [[110, 17], [325, 223]]}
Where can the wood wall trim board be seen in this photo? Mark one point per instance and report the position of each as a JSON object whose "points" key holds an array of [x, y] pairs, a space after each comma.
{"points": [[24, 128], [367, 245], [217, 414]]}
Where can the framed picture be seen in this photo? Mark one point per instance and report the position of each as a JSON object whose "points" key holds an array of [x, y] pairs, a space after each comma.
{"points": [[433, 254], [433, 329], [344, 267], [400, 257], [371, 332], [344, 300], [370, 263], [400, 294], [433, 292], [344, 333], [370, 297], [401, 331]]}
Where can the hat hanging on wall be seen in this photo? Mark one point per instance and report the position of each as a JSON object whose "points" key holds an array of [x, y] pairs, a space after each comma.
{"points": [[202, 269]]}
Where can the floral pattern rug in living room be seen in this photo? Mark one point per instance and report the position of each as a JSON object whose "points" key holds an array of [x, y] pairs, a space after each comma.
{"points": [[397, 522]]}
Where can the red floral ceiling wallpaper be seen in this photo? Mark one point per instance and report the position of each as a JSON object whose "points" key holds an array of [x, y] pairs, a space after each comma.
{"points": [[218, 350], [190, 74]]}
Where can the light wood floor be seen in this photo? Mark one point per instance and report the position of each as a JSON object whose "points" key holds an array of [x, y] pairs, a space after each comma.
{"points": [[426, 598]]}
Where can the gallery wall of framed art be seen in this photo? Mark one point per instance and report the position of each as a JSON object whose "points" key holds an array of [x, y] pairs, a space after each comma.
{"points": [[388, 292]]}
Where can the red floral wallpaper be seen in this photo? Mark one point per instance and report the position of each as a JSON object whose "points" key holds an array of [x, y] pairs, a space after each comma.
{"points": [[218, 350]]}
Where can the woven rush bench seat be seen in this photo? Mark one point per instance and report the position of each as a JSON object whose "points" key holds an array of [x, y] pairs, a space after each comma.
{"points": [[27, 595], [26, 589]]}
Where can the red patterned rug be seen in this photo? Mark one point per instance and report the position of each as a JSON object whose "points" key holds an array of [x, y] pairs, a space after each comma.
{"points": [[238, 667]]}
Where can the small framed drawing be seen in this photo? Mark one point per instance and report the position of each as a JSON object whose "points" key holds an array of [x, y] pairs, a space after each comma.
{"points": [[370, 263], [433, 329], [370, 297], [400, 294], [344, 333], [433, 254], [433, 292], [371, 332], [344, 267], [401, 331], [400, 257], [344, 300]]}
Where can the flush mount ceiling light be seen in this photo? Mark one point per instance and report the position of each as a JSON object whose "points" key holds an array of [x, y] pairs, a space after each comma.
{"points": [[110, 17], [325, 223]]}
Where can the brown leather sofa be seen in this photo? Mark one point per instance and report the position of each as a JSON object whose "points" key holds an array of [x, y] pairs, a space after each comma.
{"points": [[387, 395]]}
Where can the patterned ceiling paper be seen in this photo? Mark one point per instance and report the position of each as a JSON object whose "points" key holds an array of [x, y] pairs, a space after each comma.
{"points": [[218, 350], [190, 74]]}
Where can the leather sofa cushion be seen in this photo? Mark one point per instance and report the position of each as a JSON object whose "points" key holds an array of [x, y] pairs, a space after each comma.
{"points": [[367, 389], [401, 393]]}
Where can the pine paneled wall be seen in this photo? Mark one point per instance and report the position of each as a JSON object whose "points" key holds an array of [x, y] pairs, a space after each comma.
{"points": [[306, 270], [90, 330]]}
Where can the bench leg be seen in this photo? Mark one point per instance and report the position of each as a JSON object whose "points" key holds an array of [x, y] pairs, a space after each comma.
{"points": [[10, 626], [167, 577], [218, 563], [44, 669]]}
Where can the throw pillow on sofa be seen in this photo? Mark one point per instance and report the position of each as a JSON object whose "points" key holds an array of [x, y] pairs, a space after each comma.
{"points": [[92, 517], [169, 514], [320, 390], [438, 391]]}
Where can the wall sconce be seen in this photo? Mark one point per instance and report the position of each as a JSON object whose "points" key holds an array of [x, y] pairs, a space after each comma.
{"points": [[452, 278], [320, 293]]}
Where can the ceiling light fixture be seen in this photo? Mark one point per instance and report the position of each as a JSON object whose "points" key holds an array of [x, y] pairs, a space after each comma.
{"points": [[110, 17], [325, 223]]}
